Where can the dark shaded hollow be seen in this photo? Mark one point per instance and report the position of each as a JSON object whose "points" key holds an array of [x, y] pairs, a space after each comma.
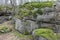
{"points": [[5, 13]]}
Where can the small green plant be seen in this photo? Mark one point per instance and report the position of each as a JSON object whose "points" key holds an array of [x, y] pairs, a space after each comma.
{"points": [[4, 28]]}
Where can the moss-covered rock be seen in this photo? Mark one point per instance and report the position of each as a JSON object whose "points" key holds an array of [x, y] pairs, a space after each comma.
{"points": [[45, 33], [28, 9]]}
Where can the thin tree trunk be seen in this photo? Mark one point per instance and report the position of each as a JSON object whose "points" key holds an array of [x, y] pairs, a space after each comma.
{"points": [[6, 4]]}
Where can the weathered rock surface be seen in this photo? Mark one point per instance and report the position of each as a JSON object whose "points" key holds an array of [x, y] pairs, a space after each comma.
{"points": [[45, 17], [28, 26], [19, 26]]}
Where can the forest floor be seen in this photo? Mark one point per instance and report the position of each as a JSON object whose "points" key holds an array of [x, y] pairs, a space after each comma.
{"points": [[8, 36], [13, 35]]}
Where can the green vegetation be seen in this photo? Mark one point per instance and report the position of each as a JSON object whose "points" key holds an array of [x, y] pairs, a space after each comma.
{"points": [[46, 33], [19, 35], [16, 33], [29, 8], [1, 7], [4, 28], [39, 4]]}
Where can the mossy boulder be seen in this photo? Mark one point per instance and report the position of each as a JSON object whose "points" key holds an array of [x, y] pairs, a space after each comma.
{"points": [[28, 9], [45, 33]]}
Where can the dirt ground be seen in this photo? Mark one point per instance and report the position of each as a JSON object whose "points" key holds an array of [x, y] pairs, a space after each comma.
{"points": [[8, 36]]}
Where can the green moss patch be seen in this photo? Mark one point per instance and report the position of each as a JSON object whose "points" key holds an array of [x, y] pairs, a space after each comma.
{"points": [[46, 33]]}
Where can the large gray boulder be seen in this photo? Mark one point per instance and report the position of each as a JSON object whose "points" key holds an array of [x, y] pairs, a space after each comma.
{"points": [[27, 26], [19, 25]]}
